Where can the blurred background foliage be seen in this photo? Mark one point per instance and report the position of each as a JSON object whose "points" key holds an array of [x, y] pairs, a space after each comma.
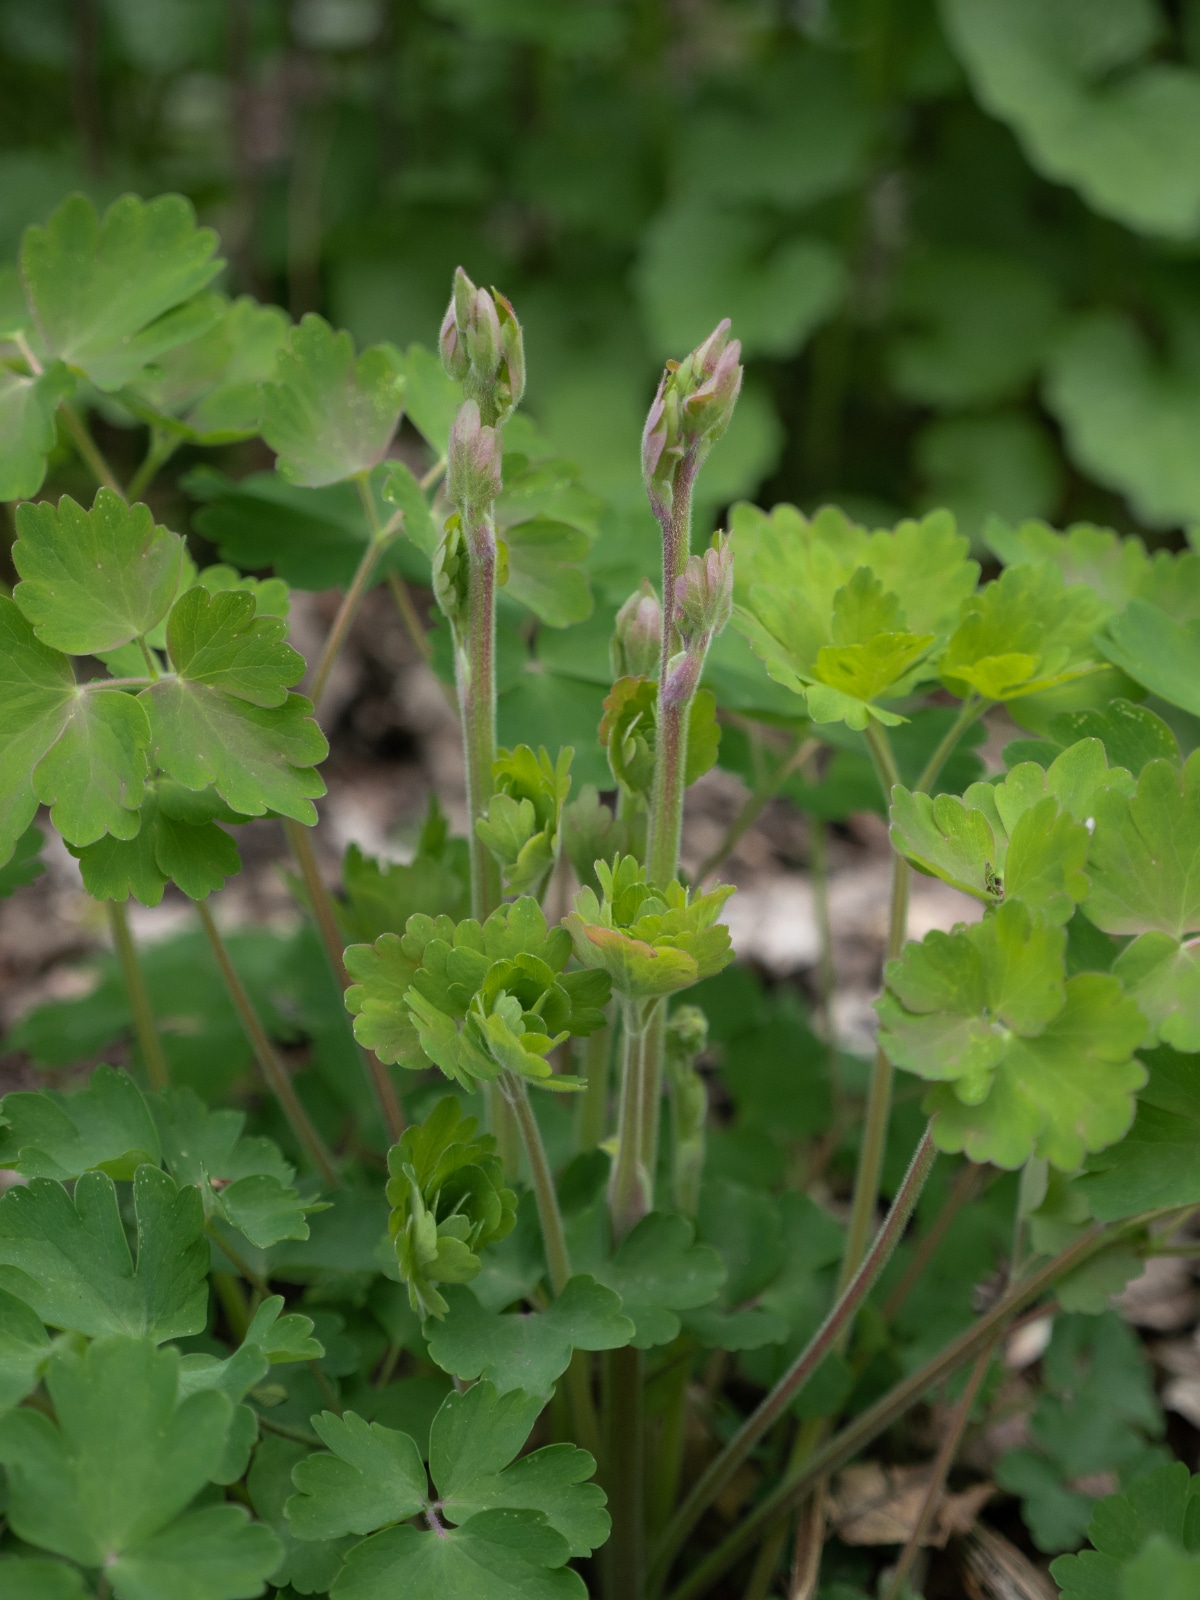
{"points": [[959, 241]]}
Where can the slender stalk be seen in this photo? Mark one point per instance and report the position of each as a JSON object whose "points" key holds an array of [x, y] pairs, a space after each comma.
{"points": [[299, 839], [964, 1188], [593, 1102], [650, 1089], [628, 1200], [754, 805], [89, 450], [792, 1489], [810, 1541], [970, 712], [346, 612], [943, 1461], [300, 1435], [269, 1063], [719, 1472], [410, 616], [474, 662], [624, 1556], [144, 1026], [664, 1489], [161, 448]]}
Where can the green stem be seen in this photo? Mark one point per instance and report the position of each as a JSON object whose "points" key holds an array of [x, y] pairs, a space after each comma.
{"points": [[666, 802], [89, 450], [593, 1102], [970, 712], [651, 1096], [161, 448], [269, 1063], [628, 1201], [624, 1556], [232, 1254], [791, 1490], [233, 1302], [300, 841], [664, 1491], [144, 1026], [474, 661], [281, 1428], [827, 1338], [410, 617], [352, 598]]}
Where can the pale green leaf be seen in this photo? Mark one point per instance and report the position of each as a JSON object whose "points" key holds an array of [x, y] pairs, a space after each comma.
{"points": [[28, 409], [1156, 651], [544, 571]]}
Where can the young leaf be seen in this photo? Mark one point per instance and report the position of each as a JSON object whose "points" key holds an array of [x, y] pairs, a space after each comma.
{"points": [[24, 1347], [106, 1484], [69, 1259], [659, 1270], [25, 864], [1025, 632], [1027, 1065], [107, 293], [28, 408], [105, 1127], [522, 824], [380, 896], [1144, 851], [520, 1350], [326, 415], [1165, 1502], [233, 724], [1157, 1163], [93, 580], [371, 1477], [1156, 651]]}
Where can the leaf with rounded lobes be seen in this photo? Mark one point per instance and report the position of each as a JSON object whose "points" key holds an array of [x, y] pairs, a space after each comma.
{"points": [[1025, 632], [519, 1350], [327, 415], [497, 1555], [93, 580], [25, 864], [105, 1127], [1156, 651], [108, 294], [28, 408], [1163, 977], [68, 1257], [1163, 1505], [370, 1477], [26, 1578], [92, 776], [544, 571], [219, 640], [1144, 862], [24, 1347], [199, 857], [106, 1484], [658, 1269], [1157, 1163], [1132, 735], [383, 973]]}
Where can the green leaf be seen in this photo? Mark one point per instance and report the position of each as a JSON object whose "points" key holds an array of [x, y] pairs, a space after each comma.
{"points": [[1164, 1503], [1156, 651], [381, 896], [24, 1347], [521, 828], [28, 427], [93, 580], [1163, 1570], [498, 1555], [25, 865], [544, 571], [1126, 139], [24, 1579], [432, 398], [371, 1477], [1157, 1163], [527, 1351], [227, 719], [309, 1567], [327, 415], [659, 1270], [1025, 632], [105, 1127], [68, 1257], [107, 293], [401, 489], [1025, 1065], [1132, 736], [1117, 569], [106, 1484], [168, 847]]}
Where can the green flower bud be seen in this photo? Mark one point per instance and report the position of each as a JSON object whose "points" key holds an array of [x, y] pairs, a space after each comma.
{"points": [[704, 593], [636, 648], [687, 1036], [690, 412], [474, 473], [448, 1201], [482, 347]]}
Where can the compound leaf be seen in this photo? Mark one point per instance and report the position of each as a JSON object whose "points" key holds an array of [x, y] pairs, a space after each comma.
{"points": [[24, 1347], [28, 408], [198, 856], [1160, 1505], [326, 415], [93, 774], [68, 1257], [372, 1476], [497, 1555], [93, 580], [659, 1270], [104, 291], [527, 1350], [220, 641], [544, 571], [1025, 632], [105, 1127]]}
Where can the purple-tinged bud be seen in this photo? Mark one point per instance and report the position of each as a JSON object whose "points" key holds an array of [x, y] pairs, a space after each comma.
{"points": [[450, 347], [473, 464], [636, 648], [704, 593], [690, 412], [482, 347], [512, 356]]}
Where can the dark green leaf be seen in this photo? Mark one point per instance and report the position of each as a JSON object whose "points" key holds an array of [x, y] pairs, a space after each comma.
{"points": [[104, 1127]]}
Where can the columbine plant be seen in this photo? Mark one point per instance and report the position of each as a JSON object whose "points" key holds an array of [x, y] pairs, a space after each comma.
{"points": [[520, 1267]]}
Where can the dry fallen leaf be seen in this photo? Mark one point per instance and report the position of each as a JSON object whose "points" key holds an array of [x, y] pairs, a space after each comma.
{"points": [[994, 1569], [1164, 1297], [873, 1504]]}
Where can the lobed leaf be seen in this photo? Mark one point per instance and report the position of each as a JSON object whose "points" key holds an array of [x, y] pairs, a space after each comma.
{"points": [[105, 1127]]}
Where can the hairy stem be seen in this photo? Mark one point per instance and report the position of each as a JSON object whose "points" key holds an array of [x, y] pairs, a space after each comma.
{"points": [[666, 802], [628, 1200], [831, 1332], [970, 712], [269, 1063], [300, 841], [593, 1102], [651, 1096], [144, 1026]]}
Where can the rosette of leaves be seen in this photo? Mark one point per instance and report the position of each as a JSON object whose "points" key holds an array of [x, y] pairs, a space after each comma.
{"points": [[845, 617], [1025, 838], [1143, 863], [649, 942], [448, 1199], [524, 816], [1023, 1060], [475, 1001]]}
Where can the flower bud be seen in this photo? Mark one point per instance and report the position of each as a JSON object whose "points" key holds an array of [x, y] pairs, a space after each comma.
{"points": [[690, 411], [636, 648], [687, 1036], [473, 463], [482, 347], [704, 593]]}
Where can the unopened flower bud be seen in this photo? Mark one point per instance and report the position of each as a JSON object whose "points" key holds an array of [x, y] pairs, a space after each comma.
{"points": [[636, 648], [704, 593], [482, 347], [687, 1035], [690, 412], [473, 463]]}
